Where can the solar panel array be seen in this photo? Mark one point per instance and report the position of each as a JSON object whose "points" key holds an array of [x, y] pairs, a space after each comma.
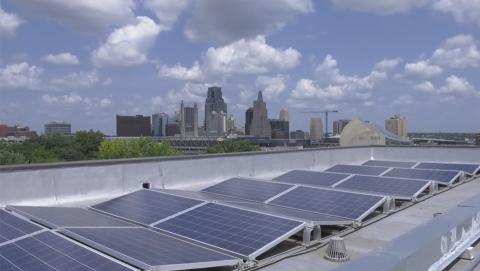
{"points": [[314, 178], [248, 189], [146, 206], [12, 227], [148, 249], [232, 229], [355, 169], [48, 251], [442, 176], [471, 169], [395, 187]]}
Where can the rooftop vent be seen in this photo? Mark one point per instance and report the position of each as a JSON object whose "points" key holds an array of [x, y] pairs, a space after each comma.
{"points": [[336, 250], [146, 185]]}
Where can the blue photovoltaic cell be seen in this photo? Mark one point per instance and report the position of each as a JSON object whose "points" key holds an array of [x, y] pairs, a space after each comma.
{"points": [[248, 189], [148, 249], [314, 178], [55, 217], [354, 169], [12, 227], [385, 163], [236, 230], [441, 176], [330, 202], [384, 185], [468, 168], [145, 206], [48, 251]]}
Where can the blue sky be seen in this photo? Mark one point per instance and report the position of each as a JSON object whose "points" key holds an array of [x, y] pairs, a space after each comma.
{"points": [[85, 62]]}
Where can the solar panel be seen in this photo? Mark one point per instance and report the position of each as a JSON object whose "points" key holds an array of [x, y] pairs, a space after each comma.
{"points": [[441, 176], [56, 217], [149, 250], [396, 187], [471, 169], [248, 189], [200, 195], [244, 233], [12, 227], [49, 251], [146, 206], [349, 205], [314, 178], [354, 169], [386, 163]]}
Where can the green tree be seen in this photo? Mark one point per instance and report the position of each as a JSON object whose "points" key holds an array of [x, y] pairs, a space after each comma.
{"points": [[233, 146], [9, 157], [142, 147], [88, 143]]}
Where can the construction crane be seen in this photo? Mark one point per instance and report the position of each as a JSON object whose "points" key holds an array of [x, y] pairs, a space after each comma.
{"points": [[326, 117]]}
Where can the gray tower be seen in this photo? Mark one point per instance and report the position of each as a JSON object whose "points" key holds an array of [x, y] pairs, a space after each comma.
{"points": [[260, 123], [215, 106]]}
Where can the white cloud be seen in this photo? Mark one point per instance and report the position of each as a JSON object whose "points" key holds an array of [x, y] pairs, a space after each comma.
{"points": [[182, 73], [87, 15], [460, 51], [76, 80], [426, 86], [252, 56], [455, 84], [383, 7], [388, 64], [62, 58], [221, 21], [8, 23], [128, 45], [272, 86], [73, 99], [20, 75], [422, 69], [190, 93], [167, 11], [404, 100], [464, 11]]}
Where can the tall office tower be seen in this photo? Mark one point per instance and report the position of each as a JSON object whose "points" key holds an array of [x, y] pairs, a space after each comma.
{"points": [[397, 125], [133, 125], [215, 108], [159, 124], [61, 128], [338, 126], [284, 115], [260, 124], [217, 124], [280, 129], [231, 124], [248, 120], [188, 118], [316, 129]]}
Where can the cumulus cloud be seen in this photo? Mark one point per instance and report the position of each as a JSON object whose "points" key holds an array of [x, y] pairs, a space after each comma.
{"points": [[8, 23], [272, 86], [128, 45], [74, 99], [20, 75], [219, 21], [460, 51], [167, 11], [62, 58], [404, 100], [86, 15], [422, 69], [383, 7], [425, 86], [331, 85], [76, 80], [455, 84], [463, 11], [190, 93], [388, 64], [245, 56]]}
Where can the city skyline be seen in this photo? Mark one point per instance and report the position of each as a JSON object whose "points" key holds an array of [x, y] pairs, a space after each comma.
{"points": [[352, 56]]}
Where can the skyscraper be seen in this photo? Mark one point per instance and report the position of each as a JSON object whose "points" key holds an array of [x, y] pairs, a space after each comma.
{"points": [[133, 125], [338, 126], [231, 124], [55, 127], [248, 120], [188, 118], [397, 125], [284, 115], [260, 124], [280, 129], [159, 124], [316, 129], [215, 111]]}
